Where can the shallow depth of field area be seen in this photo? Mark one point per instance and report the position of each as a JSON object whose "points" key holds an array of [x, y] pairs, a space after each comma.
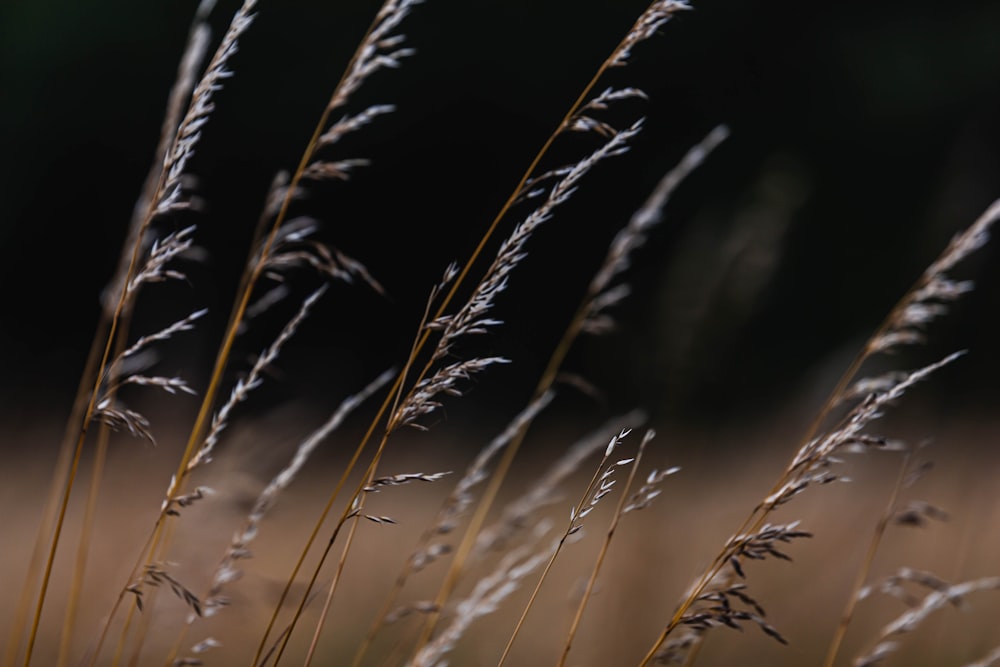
{"points": [[584, 335]]}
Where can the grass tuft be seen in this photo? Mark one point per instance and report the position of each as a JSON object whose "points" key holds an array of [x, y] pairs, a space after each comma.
{"points": [[434, 568]]}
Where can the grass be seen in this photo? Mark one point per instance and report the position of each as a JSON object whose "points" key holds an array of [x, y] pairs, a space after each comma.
{"points": [[317, 567]]}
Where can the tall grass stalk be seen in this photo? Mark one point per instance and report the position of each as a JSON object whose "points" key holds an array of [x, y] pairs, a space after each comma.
{"points": [[866, 565], [600, 485]]}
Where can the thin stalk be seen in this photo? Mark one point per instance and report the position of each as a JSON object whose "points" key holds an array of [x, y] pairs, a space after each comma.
{"points": [[571, 528], [496, 481], [604, 551], [117, 604], [548, 377], [90, 512], [192, 59], [866, 565], [159, 191], [83, 547], [331, 591], [449, 508], [531, 600], [88, 414], [149, 603], [642, 218], [245, 283], [370, 476], [348, 511], [393, 396], [60, 519], [319, 525], [397, 389], [59, 478], [236, 317]]}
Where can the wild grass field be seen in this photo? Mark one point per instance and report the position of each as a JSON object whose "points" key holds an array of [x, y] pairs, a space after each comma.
{"points": [[471, 392]]}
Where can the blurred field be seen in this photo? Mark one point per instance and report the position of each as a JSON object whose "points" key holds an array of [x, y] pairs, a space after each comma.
{"points": [[655, 555]]}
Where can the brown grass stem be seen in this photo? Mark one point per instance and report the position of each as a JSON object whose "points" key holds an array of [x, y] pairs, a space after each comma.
{"points": [[600, 484], [866, 565], [83, 546], [454, 506], [317, 527], [605, 546], [392, 397], [59, 477], [337, 99], [331, 591], [347, 514], [492, 490]]}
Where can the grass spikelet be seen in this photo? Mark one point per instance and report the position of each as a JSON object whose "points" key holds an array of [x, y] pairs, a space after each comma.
{"points": [[941, 595]]}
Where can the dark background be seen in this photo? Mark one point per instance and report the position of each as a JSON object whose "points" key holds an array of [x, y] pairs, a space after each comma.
{"points": [[863, 137]]}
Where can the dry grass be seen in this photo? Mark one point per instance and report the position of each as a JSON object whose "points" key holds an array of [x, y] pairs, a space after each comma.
{"points": [[402, 547], [654, 555]]}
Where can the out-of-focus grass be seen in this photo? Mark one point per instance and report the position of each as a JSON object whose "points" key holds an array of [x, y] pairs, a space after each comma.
{"points": [[656, 552]]}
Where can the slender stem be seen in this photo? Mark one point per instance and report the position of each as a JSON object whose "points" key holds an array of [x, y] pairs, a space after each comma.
{"points": [[83, 547], [531, 601], [496, 481], [47, 573], [552, 559], [760, 513], [619, 510], [150, 213], [316, 529], [146, 547], [866, 565], [331, 591], [59, 478], [393, 396], [256, 242], [348, 511], [383, 612], [574, 518], [88, 414], [90, 511]]}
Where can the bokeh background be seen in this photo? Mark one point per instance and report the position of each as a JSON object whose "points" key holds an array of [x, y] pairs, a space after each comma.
{"points": [[863, 137]]}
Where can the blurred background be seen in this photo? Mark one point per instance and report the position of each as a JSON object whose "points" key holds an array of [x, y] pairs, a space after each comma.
{"points": [[863, 137]]}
